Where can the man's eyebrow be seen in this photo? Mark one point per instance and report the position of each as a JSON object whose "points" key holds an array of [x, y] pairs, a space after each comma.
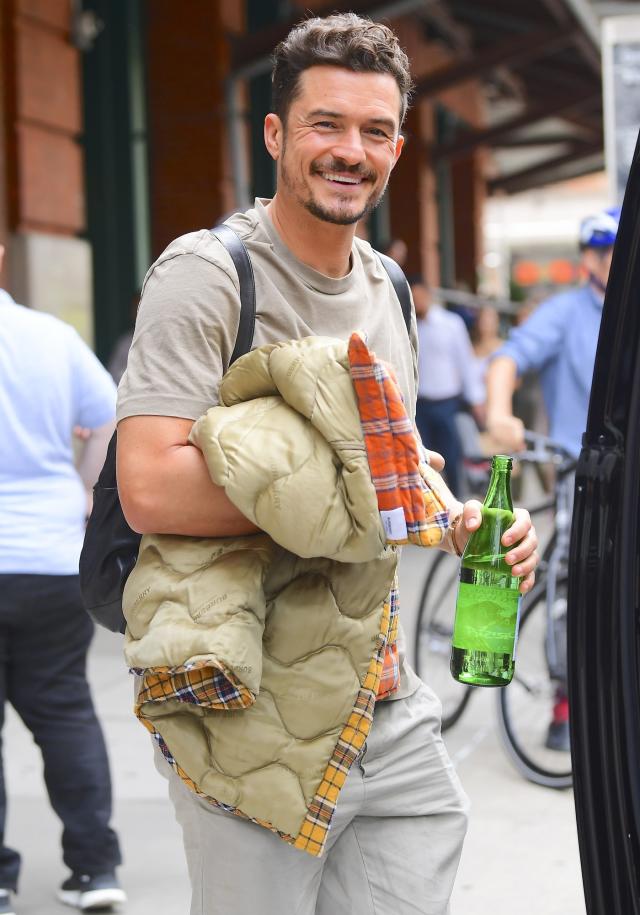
{"points": [[323, 113]]}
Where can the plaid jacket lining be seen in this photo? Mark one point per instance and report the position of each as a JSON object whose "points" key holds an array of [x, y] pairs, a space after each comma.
{"points": [[161, 684]]}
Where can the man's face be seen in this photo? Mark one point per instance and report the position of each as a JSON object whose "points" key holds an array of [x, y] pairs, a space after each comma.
{"points": [[339, 144], [597, 262]]}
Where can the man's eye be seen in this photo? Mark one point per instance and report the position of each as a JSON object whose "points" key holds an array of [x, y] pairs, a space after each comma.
{"points": [[327, 124], [377, 132]]}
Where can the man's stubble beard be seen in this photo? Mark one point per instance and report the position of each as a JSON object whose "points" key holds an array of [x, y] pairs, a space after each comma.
{"points": [[325, 215]]}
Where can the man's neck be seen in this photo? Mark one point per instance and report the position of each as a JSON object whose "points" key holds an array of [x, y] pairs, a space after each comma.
{"points": [[321, 245]]}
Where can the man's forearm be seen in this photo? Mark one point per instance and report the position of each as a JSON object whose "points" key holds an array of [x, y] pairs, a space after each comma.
{"points": [[501, 382], [167, 490]]}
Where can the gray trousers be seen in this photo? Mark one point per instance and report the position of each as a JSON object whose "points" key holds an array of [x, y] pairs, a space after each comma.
{"points": [[393, 848]]}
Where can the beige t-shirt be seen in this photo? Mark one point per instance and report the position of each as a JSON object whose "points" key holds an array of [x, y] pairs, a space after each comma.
{"points": [[189, 311]]}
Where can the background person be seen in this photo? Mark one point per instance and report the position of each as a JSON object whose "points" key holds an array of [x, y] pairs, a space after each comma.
{"points": [[485, 338], [51, 382], [559, 342], [447, 380]]}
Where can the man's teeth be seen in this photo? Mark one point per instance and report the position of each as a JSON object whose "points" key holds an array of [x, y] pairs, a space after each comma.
{"points": [[331, 176]]}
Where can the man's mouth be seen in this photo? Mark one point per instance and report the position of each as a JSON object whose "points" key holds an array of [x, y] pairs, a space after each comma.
{"points": [[336, 178]]}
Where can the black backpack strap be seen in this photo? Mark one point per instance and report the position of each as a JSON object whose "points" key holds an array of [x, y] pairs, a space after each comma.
{"points": [[400, 284], [244, 269]]}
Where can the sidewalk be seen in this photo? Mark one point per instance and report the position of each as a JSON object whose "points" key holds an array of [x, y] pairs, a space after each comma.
{"points": [[521, 853]]}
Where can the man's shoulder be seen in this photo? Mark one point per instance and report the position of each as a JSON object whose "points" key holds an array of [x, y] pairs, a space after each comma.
{"points": [[368, 254], [206, 247], [565, 301], [202, 244], [452, 318], [373, 269], [31, 320]]}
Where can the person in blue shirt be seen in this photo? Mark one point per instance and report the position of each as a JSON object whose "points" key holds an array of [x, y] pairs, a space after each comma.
{"points": [[559, 342], [51, 383]]}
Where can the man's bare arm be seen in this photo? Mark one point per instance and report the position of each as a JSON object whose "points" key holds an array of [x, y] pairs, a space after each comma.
{"points": [[501, 423], [164, 484]]}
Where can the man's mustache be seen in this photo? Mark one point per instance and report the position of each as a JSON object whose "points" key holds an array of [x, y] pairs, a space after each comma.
{"points": [[338, 165]]}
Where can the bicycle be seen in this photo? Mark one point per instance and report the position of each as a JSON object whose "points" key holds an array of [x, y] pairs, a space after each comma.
{"points": [[523, 707]]}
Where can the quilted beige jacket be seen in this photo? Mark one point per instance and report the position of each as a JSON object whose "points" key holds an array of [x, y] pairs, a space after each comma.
{"points": [[284, 632]]}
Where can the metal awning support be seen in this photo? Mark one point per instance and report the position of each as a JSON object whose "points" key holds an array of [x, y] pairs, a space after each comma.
{"points": [[472, 139], [514, 51], [529, 177], [251, 54], [583, 11], [474, 300]]}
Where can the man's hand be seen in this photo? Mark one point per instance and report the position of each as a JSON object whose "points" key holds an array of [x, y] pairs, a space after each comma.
{"points": [[434, 459], [507, 431], [522, 535]]}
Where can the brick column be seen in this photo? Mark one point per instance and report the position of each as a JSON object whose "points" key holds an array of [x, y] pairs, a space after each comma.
{"points": [[49, 266], [187, 60]]}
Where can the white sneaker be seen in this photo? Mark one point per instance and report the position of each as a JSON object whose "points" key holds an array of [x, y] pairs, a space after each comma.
{"points": [[101, 893]]}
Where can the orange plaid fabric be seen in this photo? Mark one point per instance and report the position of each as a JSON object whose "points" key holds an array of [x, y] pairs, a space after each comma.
{"points": [[411, 508]]}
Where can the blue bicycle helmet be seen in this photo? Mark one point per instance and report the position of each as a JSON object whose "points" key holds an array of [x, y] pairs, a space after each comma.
{"points": [[600, 230]]}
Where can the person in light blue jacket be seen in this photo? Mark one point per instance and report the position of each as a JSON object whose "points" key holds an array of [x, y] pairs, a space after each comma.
{"points": [[558, 341]]}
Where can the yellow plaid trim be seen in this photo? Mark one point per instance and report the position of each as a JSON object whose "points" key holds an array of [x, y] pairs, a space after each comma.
{"points": [[315, 826]]}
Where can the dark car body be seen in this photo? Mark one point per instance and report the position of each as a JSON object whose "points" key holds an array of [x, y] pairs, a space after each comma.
{"points": [[604, 594]]}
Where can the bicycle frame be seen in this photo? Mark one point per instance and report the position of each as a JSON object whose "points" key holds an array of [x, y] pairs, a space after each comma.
{"points": [[556, 564]]}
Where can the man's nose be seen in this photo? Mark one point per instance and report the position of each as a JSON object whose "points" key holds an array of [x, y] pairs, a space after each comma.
{"points": [[349, 147]]}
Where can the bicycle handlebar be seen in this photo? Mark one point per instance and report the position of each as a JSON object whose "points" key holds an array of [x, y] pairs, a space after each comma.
{"points": [[540, 450], [544, 449]]}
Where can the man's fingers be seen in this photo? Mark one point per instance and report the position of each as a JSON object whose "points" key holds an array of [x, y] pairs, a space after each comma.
{"points": [[519, 529], [527, 583], [524, 549], [435, 460]]}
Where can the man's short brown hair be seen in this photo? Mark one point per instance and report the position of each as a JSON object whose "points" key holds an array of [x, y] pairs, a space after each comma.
{"points": [[341, 40]]}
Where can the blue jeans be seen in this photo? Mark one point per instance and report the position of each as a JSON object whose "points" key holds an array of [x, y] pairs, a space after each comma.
{"points": [[44, 638], [436, 422]]}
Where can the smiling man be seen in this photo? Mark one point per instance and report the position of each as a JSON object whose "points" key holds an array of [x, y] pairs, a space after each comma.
{"points": [[340, 92]]}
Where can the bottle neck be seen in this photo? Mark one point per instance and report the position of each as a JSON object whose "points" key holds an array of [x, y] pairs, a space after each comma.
{"points": [[499, 491]]}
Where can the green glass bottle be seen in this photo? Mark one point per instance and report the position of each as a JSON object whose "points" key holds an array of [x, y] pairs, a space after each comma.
{"points": [[485, 632]]}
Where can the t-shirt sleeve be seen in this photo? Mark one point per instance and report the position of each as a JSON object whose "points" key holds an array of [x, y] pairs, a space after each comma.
{"points": [[93, 388], [185, 333]]}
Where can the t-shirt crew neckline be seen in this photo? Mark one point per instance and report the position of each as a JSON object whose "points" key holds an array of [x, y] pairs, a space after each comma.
{"points": [[313, 278]]}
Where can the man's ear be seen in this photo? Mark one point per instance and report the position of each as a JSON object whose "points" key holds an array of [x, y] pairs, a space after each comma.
{"points": [[398, 150], [273, 135]]}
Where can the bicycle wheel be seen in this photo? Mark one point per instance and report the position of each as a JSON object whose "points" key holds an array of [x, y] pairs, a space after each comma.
{"points": [[433, 637], [525, 706]]}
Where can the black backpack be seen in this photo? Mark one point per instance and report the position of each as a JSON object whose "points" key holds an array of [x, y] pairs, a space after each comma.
{"points": [[110, 548]]}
